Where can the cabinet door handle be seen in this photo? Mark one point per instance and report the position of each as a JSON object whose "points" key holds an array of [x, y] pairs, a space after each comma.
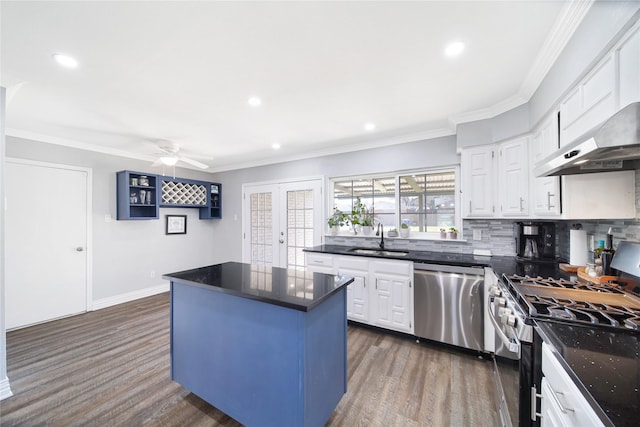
{"points": [[560, 405], [469, 207], [549, 195], [521, 200], [79, 249]]}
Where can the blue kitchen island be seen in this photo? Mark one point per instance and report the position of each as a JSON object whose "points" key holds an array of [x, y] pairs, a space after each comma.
{"points": [[265, 345]]}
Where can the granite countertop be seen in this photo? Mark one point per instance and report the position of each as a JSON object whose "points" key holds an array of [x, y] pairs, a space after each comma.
{"points": [[500, 264], [604, 364], [295, 289]]}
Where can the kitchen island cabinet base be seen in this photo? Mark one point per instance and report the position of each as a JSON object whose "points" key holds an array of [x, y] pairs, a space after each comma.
{"points": [[261, 364]]}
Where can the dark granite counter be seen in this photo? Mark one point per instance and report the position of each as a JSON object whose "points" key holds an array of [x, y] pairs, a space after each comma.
{"points": [[296, 289], [500, 264], [604, 365]]}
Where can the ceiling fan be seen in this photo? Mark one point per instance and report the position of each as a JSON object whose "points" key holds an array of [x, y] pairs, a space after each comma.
{"points": [[169, 156]]}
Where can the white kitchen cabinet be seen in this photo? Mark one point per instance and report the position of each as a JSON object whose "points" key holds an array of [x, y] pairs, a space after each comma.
{"points": [[381, 293], [319, 263], [513, 172], [545, 191], [628, 54], [393, 295], [357, 292], [496, 175], [478, 168], [562, 403], [590, 103]]}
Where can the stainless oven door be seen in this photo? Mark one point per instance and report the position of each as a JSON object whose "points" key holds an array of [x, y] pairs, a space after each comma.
{"points": [[511, 333]]}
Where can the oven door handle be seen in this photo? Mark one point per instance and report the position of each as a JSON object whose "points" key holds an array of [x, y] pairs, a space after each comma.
{"points": [[513, 347]]}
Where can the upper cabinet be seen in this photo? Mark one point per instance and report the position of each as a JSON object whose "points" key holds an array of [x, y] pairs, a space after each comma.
{"points": [[513, 170], [478, 181], [140, 195], [545, 191], [590, 103], [495, 180], [628, 55]]}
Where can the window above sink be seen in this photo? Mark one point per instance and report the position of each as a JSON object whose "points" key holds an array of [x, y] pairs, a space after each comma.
{"points": [[425, 200]]}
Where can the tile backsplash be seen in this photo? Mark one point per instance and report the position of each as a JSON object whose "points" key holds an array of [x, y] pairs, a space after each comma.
{"points": [[497, 236]]}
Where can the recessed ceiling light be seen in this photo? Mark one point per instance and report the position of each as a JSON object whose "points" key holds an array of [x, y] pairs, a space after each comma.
{"points": [[254, 101], [454, 49], [369, 126], [65, 60], [275, 146]]}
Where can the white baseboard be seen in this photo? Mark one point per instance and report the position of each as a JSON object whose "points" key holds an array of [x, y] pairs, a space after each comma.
{"points": [[130, 296], [5, 390]]}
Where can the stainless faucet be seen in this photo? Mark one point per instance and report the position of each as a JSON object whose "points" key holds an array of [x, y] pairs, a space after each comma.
{"points": [[380, 233]]}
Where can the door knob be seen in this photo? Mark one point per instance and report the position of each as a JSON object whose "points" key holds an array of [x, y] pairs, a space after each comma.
{"points": [[79, 249], [281, 240]]}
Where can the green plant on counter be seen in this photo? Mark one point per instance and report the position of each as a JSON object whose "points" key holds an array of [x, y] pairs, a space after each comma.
{"points": [[405, 226], [360, 215], [452, 230]]}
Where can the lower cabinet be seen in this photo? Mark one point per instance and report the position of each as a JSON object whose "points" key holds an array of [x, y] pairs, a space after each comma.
{"points": [[381, 293], [562, 402]]}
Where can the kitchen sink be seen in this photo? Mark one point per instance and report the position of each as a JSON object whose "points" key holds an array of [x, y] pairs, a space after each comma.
{"points": [[378, 252]]}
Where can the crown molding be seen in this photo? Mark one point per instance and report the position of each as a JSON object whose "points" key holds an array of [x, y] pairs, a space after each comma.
{"points": [[563, 29]]}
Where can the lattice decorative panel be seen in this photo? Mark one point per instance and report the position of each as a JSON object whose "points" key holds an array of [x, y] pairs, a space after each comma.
{"points": [[178, 193]]}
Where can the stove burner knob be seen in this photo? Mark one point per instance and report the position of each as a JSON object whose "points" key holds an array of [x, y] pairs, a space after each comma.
{"points": [[503, 311], [511, 321], [495, 291], [501, 302]]}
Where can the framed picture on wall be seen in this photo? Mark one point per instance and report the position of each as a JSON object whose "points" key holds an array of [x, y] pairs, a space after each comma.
{"points": [[176, 224]]}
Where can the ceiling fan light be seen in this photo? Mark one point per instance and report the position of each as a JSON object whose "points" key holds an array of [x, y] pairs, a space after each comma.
{"points": [[169, 160]]}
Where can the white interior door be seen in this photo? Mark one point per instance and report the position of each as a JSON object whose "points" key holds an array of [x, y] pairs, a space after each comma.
{"points": [[46, 242], [280, 220]]}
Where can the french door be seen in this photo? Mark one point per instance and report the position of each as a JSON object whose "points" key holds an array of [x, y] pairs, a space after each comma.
{"points": [[280, 220]]}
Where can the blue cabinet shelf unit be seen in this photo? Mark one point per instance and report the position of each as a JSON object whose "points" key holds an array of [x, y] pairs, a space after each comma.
{"points": [[137, 196], [141, 195], [214, 208]]}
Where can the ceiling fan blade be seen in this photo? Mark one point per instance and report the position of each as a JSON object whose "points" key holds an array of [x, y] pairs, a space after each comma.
{"points": [[194, 163]]}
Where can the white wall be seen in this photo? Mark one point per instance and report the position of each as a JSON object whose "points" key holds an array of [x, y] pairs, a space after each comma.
{"points": [[413, 155], [126, 252], [5, 390]]}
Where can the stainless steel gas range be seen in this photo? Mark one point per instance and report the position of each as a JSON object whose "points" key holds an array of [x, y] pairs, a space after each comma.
{"points": [[519, 301]]}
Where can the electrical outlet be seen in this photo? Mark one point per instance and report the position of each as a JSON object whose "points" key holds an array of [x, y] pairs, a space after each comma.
{"points": [[477, 234]]}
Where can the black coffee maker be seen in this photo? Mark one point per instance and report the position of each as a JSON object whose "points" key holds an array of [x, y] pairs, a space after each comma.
{"points": [[535, 241]]}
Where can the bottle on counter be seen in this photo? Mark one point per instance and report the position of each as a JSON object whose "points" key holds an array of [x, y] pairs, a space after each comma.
{"points": [[607, 255]]}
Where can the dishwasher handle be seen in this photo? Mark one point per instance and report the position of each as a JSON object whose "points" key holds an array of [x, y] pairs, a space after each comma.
{"points": [[419, 267]]}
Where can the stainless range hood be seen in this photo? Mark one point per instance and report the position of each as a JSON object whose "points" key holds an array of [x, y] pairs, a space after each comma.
{"points": [[613, 146]]}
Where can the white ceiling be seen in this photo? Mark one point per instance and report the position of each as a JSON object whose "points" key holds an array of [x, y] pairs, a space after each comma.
{"points": [[183, 71]]}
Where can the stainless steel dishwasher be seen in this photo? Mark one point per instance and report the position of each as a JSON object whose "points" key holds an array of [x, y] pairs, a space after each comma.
{"points": [[448, 304]]}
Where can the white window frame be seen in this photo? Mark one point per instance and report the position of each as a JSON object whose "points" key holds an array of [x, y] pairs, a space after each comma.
{"points": [[396, 175]]}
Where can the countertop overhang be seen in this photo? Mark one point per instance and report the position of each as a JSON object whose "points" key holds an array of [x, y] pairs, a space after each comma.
{"points": [[296, 289]]}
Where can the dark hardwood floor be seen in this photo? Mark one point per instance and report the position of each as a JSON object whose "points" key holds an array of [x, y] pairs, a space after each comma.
{"points": [[111, 368]]}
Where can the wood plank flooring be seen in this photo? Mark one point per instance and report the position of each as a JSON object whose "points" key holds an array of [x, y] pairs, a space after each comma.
{"points": [[111, 368]]}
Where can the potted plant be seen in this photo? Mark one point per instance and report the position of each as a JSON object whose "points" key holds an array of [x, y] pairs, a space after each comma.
{"points": [[404, 230], [443, 233], [337, 220], [393, 232], [359, 213], [453, 233]]}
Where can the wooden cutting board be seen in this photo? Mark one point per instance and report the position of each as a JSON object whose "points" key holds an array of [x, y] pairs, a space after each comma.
{"points": [[597, 280], [568, 268]]}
